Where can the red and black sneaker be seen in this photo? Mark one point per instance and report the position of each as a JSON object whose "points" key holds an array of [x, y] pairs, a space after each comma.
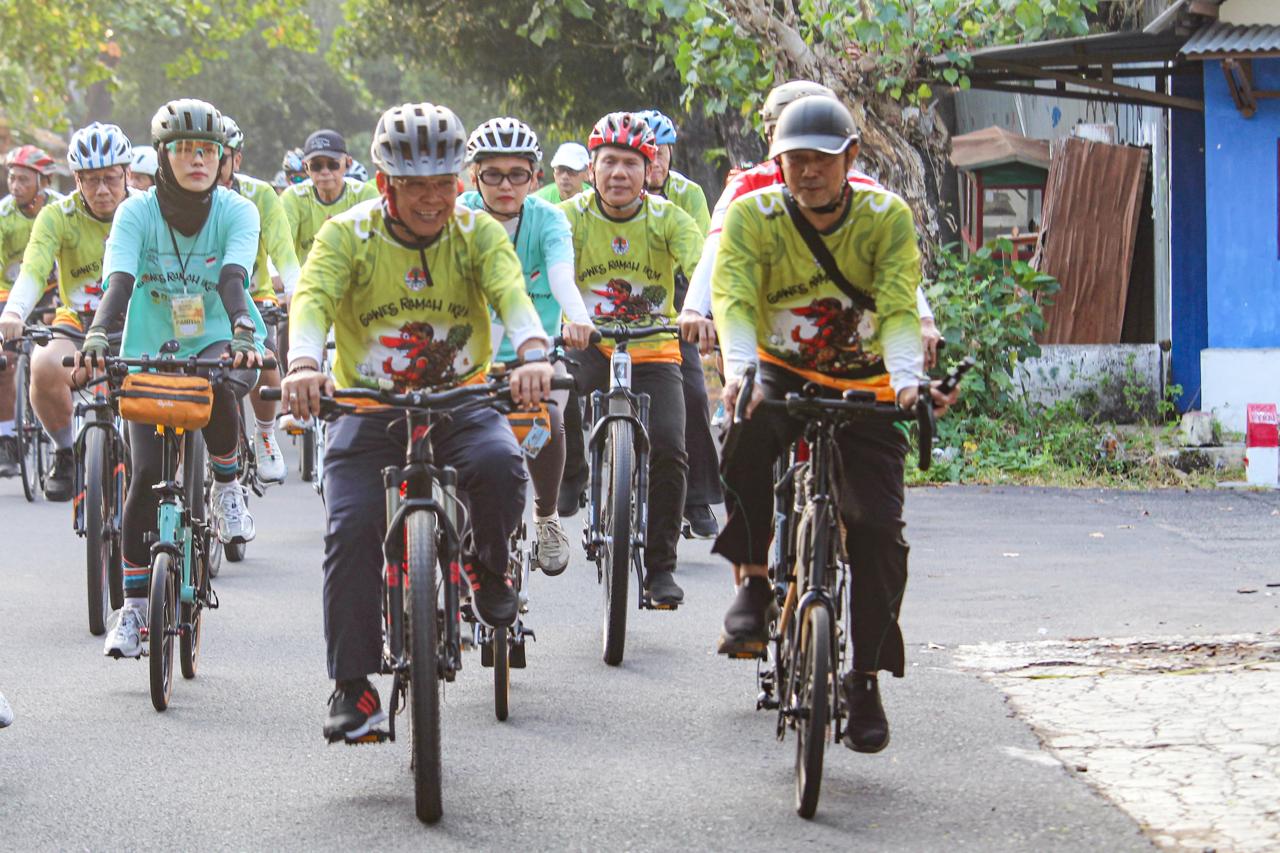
{"points": [[354, 710]]}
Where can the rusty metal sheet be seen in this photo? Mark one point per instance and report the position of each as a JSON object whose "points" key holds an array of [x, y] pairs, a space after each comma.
{"points": [[1092, 203]]}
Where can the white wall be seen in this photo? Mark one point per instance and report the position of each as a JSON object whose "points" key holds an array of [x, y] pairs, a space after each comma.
{"points": [[1231, 379], [1250, 12]]}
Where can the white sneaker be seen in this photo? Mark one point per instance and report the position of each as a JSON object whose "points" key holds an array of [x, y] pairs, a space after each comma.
{"points": [[231, 518], [6, 713], [125, 640], [291, 425], [271, 468], [553, 546]]}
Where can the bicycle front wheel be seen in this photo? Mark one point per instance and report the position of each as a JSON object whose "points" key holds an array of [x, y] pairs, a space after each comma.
{"points": [[98, 511], [162, 625], [202, 543], [812, 706], [615, 520], [424, 664], [27, 428]]}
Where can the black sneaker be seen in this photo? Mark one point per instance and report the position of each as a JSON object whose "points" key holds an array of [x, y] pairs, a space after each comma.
{"points": [[354, 710], [746, 622], [700, 522], [663, 589], [867, 729], [496, 603], [57, 487], [8, 456]]}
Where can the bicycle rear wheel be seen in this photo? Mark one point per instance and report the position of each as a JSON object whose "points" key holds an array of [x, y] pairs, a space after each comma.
{"points": [[424, 664], [501, 673], [162, 624], [98, 480], [813, 707], [27, 429], [615, 520]]}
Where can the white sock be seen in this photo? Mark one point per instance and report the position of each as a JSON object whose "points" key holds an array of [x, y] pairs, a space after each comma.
{"points": [[554, 515], [267, 428], [139, 604], [6, 427]]}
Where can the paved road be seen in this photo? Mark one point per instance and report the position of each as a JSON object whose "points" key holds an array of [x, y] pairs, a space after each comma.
{"points": [[665, 752]]}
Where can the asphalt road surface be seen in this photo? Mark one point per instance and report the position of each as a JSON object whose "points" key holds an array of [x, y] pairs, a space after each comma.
{"points": [[664, 752]]}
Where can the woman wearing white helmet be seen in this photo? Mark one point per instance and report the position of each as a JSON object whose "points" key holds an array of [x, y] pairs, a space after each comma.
{"points": [[145, 163], [504, 156], [407, 281]]}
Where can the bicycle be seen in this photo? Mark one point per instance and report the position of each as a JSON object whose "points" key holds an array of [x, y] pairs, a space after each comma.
{"points": [[618, 503], [35, 447], [807, 650], [312, 435], [180, 547], [424, 582]]}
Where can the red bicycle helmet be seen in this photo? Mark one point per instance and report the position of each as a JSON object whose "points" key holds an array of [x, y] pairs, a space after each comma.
{"points": [[625, 130], [32, 158]]}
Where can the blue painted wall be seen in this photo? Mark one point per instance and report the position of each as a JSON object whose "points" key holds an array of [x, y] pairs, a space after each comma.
{"points": [[1242, 255], [1189, 300]]}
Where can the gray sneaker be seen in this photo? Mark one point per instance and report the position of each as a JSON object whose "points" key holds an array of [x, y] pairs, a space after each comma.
{"points": [[231, 518], [125, 640], [553, 546], [8, 456], [6, 713]]}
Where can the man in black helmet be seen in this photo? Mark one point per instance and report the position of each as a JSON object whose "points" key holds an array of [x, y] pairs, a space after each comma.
{"points": [[779, 311]]}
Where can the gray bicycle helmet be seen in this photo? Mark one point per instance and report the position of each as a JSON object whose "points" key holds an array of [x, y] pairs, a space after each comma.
{"points": [[187, 118], [419, 140], [815, 123], [499, 137], [781, 95]]}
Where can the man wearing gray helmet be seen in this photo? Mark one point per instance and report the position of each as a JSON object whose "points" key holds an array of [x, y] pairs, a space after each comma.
{"points": [[413, 236]]}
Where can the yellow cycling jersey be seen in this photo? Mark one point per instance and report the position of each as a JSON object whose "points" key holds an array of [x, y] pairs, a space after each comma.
{"points": [[770, 295], [689, 197], [406, 317], [15, 231], [65, 233], [626, 268], [306, 212], [275, 240]]}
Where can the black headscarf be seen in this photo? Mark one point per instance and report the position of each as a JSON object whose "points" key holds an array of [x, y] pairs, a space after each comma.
{"points": [[184, 210]]}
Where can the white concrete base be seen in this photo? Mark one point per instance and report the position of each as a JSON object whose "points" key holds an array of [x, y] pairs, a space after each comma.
{"points": [[1231, 379], [1079, 371]]}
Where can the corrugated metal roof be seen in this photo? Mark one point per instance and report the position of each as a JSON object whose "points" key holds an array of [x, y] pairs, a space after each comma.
{"points": [[1220, 39]]}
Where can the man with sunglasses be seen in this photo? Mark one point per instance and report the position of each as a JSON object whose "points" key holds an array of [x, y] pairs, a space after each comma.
{"points": [[275, 249], [29, 172], [72, 234], [328, 192]]}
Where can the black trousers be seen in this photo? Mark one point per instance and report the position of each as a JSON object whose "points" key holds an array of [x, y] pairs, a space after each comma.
{"points": [[870, 474], [491, 480], [668, 463], [704, 462]]}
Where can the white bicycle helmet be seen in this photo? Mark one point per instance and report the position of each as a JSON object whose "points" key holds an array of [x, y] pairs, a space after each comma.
{"points": [[501, 137], [98, 146], [358, 171], [419, 140], [145, 161], [235, 136]]}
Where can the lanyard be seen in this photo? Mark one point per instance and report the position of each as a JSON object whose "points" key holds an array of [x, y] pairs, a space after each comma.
{"points": [[182, 262]]}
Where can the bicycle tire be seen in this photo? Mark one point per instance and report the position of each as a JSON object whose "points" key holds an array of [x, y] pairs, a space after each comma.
{"points": [[813, 680], [214, 553], [619, 461], [424, 664], [193, 613], [162, 622], [26, 426], [119, 469], [501, 673], [97, 511]]}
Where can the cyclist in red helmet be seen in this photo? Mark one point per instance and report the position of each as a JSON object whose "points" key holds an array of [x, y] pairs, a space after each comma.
{"points": [[628, 246]]}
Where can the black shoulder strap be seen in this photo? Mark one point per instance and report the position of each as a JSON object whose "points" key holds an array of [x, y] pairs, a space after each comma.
{"points": [[822, 254]]}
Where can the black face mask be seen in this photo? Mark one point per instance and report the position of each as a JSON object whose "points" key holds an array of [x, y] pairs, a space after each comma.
{"points": [[182, 209]]}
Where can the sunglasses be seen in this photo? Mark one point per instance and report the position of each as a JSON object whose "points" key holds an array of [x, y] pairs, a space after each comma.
{"points": [[494, 178], [297, 177], [323, 164], [189, 148]]}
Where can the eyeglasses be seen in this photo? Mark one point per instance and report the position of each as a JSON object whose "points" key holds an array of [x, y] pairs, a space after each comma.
{"points": [[92, 183], [323, 164], [190, 148], [437, 185], [494, 178]]}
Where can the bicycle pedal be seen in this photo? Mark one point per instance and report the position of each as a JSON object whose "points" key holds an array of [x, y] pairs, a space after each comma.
{"points": [[515, 656], [376, 736]]}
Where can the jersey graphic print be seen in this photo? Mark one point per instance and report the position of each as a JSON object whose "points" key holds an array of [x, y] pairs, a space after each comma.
{"points": [[423, 360], [619, 302], [829, 335]]}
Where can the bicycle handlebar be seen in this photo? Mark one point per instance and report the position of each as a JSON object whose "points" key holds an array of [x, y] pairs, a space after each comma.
{"points": [[166, 363], [272, 314], [424, 400], [620, 332]]}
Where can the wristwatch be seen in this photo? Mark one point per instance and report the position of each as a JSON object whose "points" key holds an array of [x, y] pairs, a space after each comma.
{"points": [[244, 321], [533, 355]]}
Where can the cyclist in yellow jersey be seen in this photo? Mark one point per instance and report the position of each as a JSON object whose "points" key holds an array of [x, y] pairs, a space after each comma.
{"points": [[29, 171], [275, 245], [407, 282], [145, 164], [776, 308], [569, 173], [328, 192], [667, 182], [627, 248], [72, 233]]}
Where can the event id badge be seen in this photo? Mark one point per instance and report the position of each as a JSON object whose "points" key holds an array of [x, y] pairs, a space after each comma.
{"points": [[188, 315], [537, 439]]}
